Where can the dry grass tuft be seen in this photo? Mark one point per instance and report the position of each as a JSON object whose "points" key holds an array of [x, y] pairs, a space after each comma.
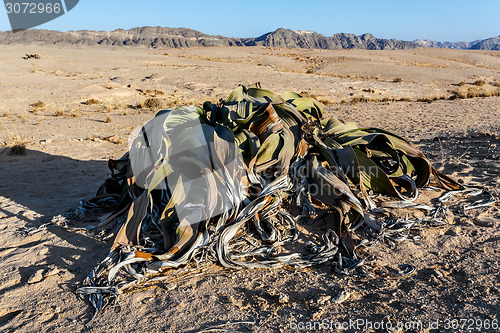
{"points": [[397, 80], [31, 56], [17, 145], [38, 106], [475, 91], [92, 101], [75, 114], [360, 99], [431, 98], [5, 114], [114, 139], [108, 120], [325, 101], [152, 103], [479, 83], [154, 92]]}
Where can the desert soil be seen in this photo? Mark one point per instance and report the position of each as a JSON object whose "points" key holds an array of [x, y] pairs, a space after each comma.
{"points": [[68, 145]]}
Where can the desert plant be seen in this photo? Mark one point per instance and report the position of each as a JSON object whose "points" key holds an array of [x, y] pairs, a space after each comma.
{"points": [[397, 80], [17, 145], [108, 120], [38, 106], [31, 56], [92, 101], [152, 103], [253, 153], [154, 92], [479, 83], [475, 91], [74, 114]]}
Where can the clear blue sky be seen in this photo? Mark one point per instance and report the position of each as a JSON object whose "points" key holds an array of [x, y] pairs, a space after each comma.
{"points": [[441, 20]]}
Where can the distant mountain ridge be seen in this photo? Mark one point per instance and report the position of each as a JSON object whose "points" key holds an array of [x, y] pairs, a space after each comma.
{"points": [[312, 40], [161, 37], [444, 45]]}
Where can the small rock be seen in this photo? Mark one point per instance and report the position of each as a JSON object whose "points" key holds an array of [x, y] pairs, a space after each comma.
{"points": [[170, 286], [283, 298], [147, 300], [53, 271], [437, 274], [37, 277], [342, 297], [323, 299]]}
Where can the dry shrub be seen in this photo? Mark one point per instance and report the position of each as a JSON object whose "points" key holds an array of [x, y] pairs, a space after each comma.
{"points": [[31, 56], [462, 84], [475, 91], [308, 94], [430, 99], [5, 114], [17, 145], [360, 99], [75, 114], [152, 103], [397, 80], [108, 120], [38, 106], [106, 108], [114, 139], [154, 92], [92, 101], [479, 83], [325, 101]]}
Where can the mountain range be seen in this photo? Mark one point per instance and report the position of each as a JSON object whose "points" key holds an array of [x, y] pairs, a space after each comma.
{"points": [[161, 37]]}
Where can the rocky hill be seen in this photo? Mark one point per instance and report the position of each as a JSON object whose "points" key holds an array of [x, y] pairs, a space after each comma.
{"points": [[312, 40], [182, 37], [144, 36], [487, 44], [444, 45], [158, 37]]}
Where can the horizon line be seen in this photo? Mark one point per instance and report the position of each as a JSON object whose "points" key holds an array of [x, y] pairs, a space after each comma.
{"points": [[310, 31]]}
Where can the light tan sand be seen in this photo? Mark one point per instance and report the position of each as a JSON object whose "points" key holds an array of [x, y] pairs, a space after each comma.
{"points": [[457, 266]]}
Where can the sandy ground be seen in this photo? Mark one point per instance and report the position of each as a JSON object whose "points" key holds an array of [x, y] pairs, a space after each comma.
{"points": [[68, 144]]}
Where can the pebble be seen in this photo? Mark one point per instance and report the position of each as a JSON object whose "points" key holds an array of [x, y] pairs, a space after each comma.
{"points": [[283, 298], [170, 286], [342, 297], [437, 274], [37, 277], [53, 271]]}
